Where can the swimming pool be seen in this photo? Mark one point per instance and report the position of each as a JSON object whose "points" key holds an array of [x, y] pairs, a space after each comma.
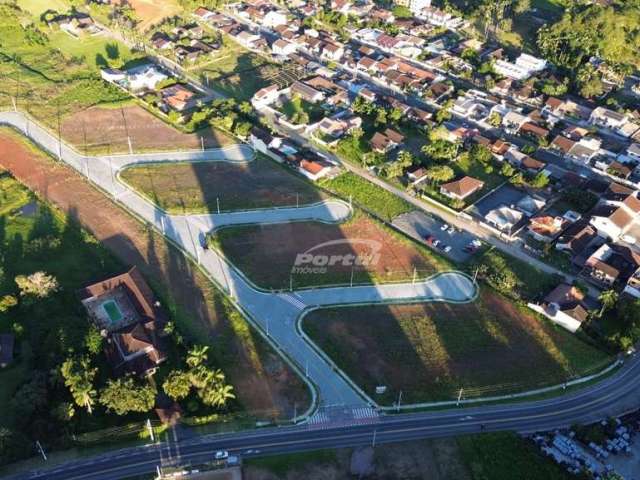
{"points": [[112, 311]]}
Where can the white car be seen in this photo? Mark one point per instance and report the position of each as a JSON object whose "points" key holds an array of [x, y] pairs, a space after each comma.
{"points": [[444, 227], [436, 243], [447, 249], [452, 230], [222, 454]]}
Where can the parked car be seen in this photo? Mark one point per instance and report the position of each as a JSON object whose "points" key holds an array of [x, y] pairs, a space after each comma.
{"points": [[452, 230], [444, 227], [222, 454], [447, 249], [436, 243]]}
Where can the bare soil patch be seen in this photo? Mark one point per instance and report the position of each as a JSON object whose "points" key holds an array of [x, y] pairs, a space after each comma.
{"points": [[105, 129], [152, 12], [267, 253], [198, 187], [429, 351], [263, 382]]}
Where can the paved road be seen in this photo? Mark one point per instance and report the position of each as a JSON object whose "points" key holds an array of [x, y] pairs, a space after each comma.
{"points": [[274, 313], [612, 397]]}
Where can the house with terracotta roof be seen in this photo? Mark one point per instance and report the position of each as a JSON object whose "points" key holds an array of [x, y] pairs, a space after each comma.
{"points": [[575, 239], [462, 188], [546, 228], [564, 305], [130, 318], [386, 141], [177, 97]]}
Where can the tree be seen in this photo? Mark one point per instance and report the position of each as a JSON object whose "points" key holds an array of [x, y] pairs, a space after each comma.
{"points": [[124, 395], [589, 82], [197, 355], [507, 170], [440, 150], [93, 340], [541, 180], [7, 302], [495, 120], [78, 375], [439, 173], [400, 11], [394, 115], [64, 411], [177, 384], [38, 284], [216, 394], [381, 116], [608, 299], [481, 154]]}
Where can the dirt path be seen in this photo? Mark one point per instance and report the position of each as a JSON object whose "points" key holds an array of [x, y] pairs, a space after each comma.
{"points": [[262, 381]]}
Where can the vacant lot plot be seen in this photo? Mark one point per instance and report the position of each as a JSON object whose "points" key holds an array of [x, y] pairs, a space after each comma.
{"points": [[236, 71], [430, 351], [105, 129], [152, 12], [267, 253], [261, 379], [197, 187]]}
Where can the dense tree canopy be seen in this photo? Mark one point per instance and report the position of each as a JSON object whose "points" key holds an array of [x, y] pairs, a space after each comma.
{"points": [[611, 33]]}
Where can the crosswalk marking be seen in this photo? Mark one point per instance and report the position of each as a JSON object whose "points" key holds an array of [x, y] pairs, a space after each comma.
{"points": [[328, 418], [294, 300]]}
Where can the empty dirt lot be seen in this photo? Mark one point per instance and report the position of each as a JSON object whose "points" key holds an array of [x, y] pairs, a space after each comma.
{"points": [[197, 187], [262, 380], [267, 253], [105, 129], [429, 351]]}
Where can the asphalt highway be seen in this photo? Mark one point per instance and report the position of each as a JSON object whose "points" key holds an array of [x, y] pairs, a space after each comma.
{"points": [[614, 396]]}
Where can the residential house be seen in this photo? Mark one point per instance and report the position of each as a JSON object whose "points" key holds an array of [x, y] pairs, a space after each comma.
{"points": [[462, 188], [274, 18], [306, 92], [265, 96], [144, 78], [384, 142], [546, 228], [603, 117], [565, 306], [513, 121], [283, 48], [132, 320], [177, 97], [576, 238], [615, 219], [504, 218]]}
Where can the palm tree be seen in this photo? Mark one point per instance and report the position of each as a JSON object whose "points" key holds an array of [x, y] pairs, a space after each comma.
{"points": [[197, 355], [85, 395], [608, 299]]}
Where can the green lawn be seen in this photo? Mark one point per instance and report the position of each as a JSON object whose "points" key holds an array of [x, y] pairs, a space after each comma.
{"points": [[198, 187], [365, 194], [299, 111], [54, 74], [37, 7], [498, 456], [430, 351]]}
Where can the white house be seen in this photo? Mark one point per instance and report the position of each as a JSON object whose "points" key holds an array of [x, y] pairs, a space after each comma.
{"points": [[614, 219], [283, 48], [265, 96], [112, 75], [603, 117], [145, 77], [274, 18], [563, 306], [247, 39], [504, 218]]}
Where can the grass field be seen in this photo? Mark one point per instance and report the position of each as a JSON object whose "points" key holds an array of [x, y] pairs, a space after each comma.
{"points": [[365, 194], [496, 456], [430, 351], [236, 71], [197, 187], [151, 12], [57, 75], [267, 253], [99, 130]]}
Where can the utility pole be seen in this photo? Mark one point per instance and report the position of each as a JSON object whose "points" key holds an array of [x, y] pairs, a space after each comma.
{"points": [[41, 450], [126, 130], [291, 282], [373, 441], [459, 397], [59, 130], [113, 181], [202, 143], [415, 272], [153, 438], [475, 275], [218, 204], [351, 282], [297, 200], [399, 401]]}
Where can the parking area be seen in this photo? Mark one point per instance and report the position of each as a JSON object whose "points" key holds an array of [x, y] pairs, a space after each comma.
{"points": [[420, 225]]}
